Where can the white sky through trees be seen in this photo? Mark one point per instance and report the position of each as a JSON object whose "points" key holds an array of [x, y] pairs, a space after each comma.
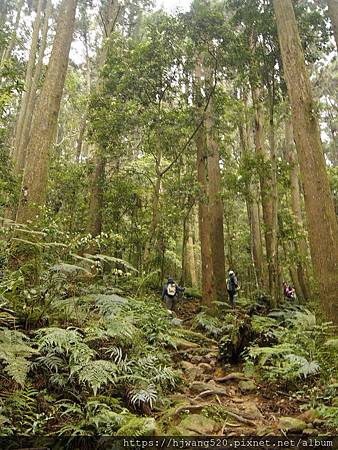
{"points": [[172, 5]]}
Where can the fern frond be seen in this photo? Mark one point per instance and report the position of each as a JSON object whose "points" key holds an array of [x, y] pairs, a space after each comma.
{"points": [[17, 368], [52, 361], [116, 353], [138, 426], [332, 343], [111, 259], [147, 395], [96, 373], [70, 269], [59, 339], [14, 351], [305, 367], [212, 325]]}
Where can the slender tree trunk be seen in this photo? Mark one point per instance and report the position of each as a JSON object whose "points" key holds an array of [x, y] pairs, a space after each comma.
{"points": [[245, 134], [256, 240], [35, 82], [208, 287], [191, 265], [95, 215], [45, 120], [301, 245], [333, 13], [154, 213], [94, 225], [215, 206], [273, 269], [293, 273], [323, 229], [83, 124], [266, 185], [28, 85], [8, 50], [197, 247]]}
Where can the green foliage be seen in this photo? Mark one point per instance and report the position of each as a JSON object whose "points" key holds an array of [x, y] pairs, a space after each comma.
{"points": [[15, 351], [21, 413], [212, 325], [301, 351], [105, 417]]}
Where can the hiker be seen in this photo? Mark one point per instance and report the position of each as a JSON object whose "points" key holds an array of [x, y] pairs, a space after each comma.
{"points": [[169, 294], [232, 287], [289, 291]]}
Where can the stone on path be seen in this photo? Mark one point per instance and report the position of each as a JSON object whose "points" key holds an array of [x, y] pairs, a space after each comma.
{"points": [[292, 424], [197, 424], [247, 387], [205, 367]]}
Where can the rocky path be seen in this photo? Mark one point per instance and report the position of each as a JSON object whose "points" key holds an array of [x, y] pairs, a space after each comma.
{"points": [[221, 400]]}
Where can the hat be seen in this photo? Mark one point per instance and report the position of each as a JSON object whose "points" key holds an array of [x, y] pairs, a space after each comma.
{"points": [[170, 279], [231, 272]]}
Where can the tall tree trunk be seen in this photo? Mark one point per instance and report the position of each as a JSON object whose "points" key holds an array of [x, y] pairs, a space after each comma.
{"points": [[114, 10], [45, 120], [18, 154], [246, 137], [8, 50], [333, 13], [154, 213], [323, 229], [256, 240], [94, 225], [190, 255], [83, 124], [301, 245], [273, 264], [208, 287], [197, 246], [33, 91], [265, 185], [215, 206]]}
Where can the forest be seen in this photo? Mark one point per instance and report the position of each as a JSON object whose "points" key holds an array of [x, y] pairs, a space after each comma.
{"points": [[193, 148]]}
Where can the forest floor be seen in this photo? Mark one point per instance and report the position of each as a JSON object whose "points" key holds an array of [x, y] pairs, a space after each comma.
{"points": [[220, 399]]}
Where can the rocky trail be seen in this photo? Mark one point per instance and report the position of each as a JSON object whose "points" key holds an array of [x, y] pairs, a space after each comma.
{"points": [[220, 399]]}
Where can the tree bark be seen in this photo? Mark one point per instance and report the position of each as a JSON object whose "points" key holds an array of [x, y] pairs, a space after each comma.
{"points": [[246, 138], [8, 50], [94, 225], [154, 212], [45, 119], [33, 91], [273, 264], [95, 215], [191, 266], [215, 206], [266, 195], [19, 153], [333, 13], [323, 229], [208, 286], [296, 201]]}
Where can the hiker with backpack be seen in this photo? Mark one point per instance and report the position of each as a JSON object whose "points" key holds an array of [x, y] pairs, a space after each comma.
{"points": [[170, 294], [289, 291], [232, 287]]}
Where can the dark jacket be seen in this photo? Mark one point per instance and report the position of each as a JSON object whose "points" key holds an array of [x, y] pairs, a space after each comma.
{"points": [[170, 281], [233, 284]]}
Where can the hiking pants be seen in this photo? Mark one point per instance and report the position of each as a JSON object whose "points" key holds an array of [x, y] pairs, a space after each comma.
{"points": [[171, 302], [232, 297]]}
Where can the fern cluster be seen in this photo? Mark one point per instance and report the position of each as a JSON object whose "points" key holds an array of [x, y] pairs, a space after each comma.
{"points": [[15, 353], [301, 349]]}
